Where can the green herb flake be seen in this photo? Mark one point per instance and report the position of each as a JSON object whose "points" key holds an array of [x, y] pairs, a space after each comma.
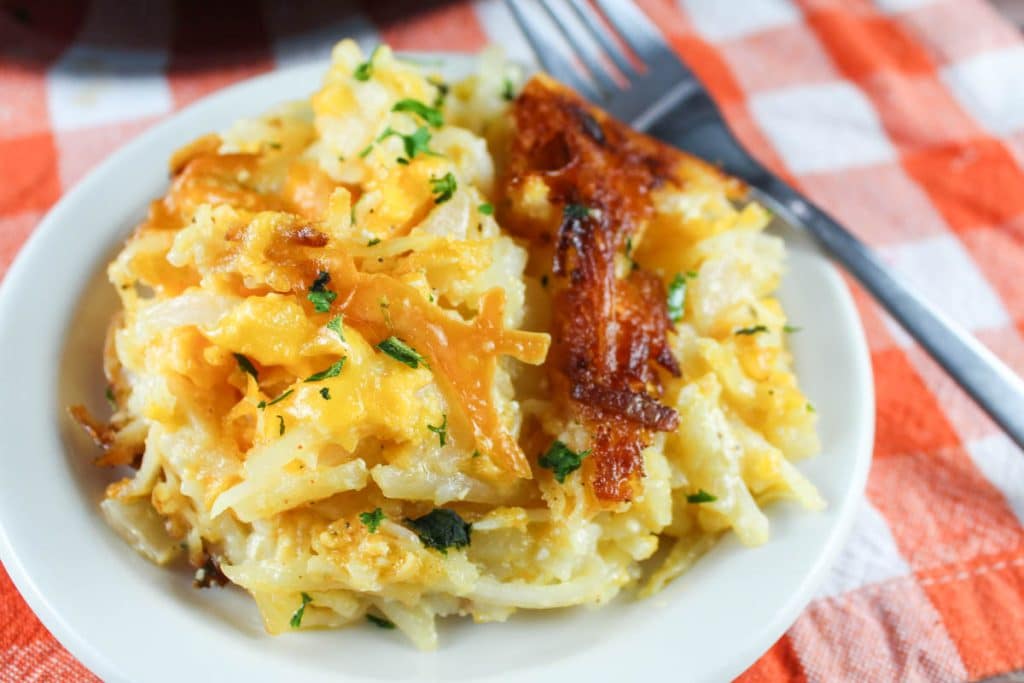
{"points": [[375, 241], [701, 496], [380, 622], [508, 90], [429, 114], [418, 142], [442, 91], [280, 425], [562, 460], [297, 617], [246, 365], [402, 352], [274, 145], [791, 329], [486, 209], [332, 371], [441, 529], [335, 326], [325, 392], [263, 404], [749, 331], [372, 520], [810, 408], [442, 430], [575, 212], [629, 247], [476, 454], [111, 399], [676, 299], [443, 188], [365, 152], [365, 69], [692, 274], [319, 295]]}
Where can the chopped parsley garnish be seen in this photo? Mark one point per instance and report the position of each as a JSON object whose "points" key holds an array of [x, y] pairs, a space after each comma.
{"points": [[442, 430], [790, 329], [319, 295], [575, 211], [508, 90], [325, 392], [365, 152], [701, 496], [676, 298], [429, 114], [691, 274], [562, 460], [441, 529], [443, 188], [263, 404], [111, 399], [810, 408], [280, 425], [476, 454], [372, 520], [365, 69], [332, 371], [379, 622], [414, 143], [274, 145], [747, 331], [629, 247], [373, 242], [442, 91], [246, 365], [297, 617], [402, 352], [486, 209], [335, 326]]}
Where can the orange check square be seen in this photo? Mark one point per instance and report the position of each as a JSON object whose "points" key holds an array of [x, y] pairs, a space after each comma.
{"points": [[711, 69], [982, 608], [941, 509], [865, 45], [909, 419], [973, 184], [917, 110], [22, 100], [779, 57], [779, 665], [28, 166], [878, 633], [954, 30], [407, 25]]}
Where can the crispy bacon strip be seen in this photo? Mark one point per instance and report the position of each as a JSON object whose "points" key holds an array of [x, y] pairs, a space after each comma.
{"points": [[608, 332]]}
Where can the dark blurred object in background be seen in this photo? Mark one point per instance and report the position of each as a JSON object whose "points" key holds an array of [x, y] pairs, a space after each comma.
{"points": [[32, 30], [1012, 10]]}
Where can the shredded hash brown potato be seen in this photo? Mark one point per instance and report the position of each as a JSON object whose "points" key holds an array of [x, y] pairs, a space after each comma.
{"points": [[410, 349]]}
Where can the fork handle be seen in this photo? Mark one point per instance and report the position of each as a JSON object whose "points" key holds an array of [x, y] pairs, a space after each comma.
{"points": [[994, 386]]}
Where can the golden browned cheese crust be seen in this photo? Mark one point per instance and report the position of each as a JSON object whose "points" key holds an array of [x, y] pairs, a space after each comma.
{"points": [[609, 330]]}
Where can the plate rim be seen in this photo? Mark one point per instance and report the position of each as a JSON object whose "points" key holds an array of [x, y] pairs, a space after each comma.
{"points": [[102, 664]]}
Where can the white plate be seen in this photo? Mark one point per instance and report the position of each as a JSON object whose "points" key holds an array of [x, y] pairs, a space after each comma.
{"points": [[129, 620]]}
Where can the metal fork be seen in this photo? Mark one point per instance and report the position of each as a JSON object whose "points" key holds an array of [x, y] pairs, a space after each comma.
{"points": [[654, 91]]}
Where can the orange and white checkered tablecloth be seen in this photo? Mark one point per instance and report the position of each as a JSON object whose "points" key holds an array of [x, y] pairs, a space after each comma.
{"points": [[904, 118]]}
